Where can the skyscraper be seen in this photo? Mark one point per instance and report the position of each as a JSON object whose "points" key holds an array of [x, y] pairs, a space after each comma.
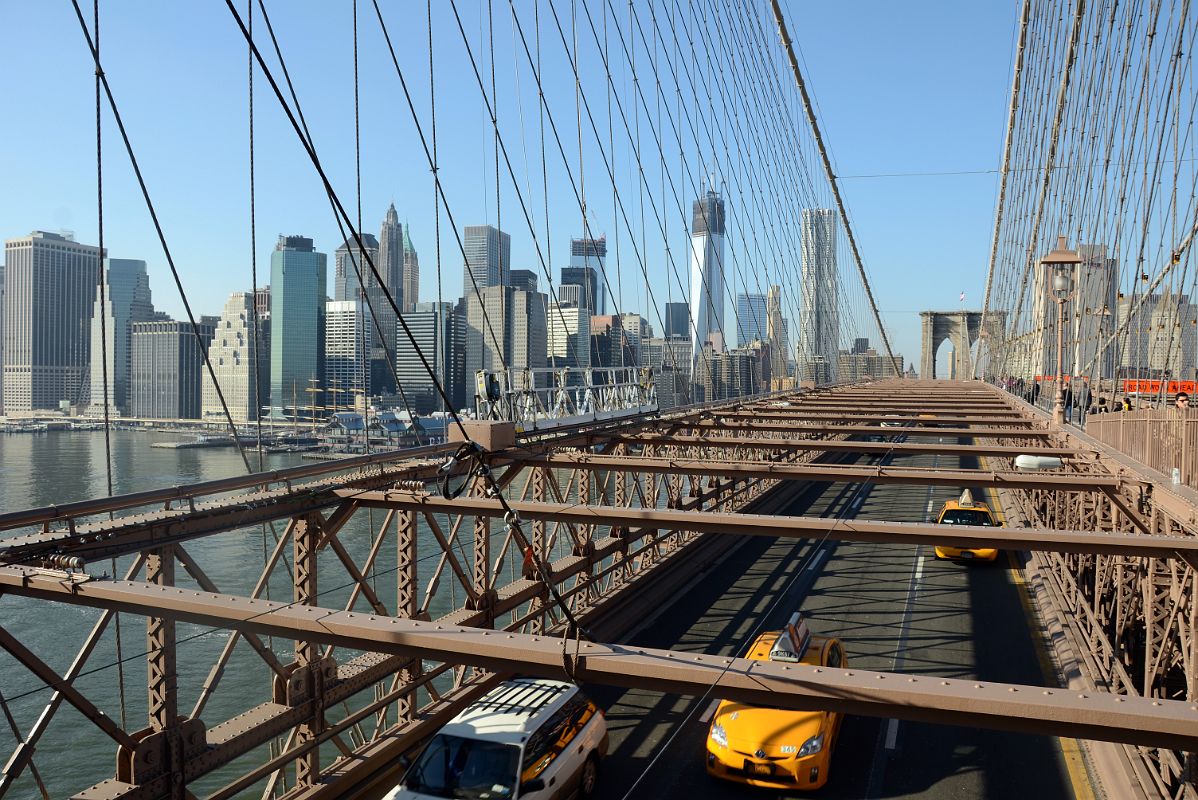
{"points": [[677, 320], [523, 279], [507, 329], [50, 282], [586, 269], [777, 334], [391, 256], [346, 346], [432, 327], [374, 296], [569, 341], [751, 315], [349, 261], [233, 364], [126, 301], [707, 270], [297, 318], [819, 323], [488, 258], [165, 370], [411, 271]]}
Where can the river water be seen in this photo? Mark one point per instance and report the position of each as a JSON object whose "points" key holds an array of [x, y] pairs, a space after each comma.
{"points": [[59, 467]]}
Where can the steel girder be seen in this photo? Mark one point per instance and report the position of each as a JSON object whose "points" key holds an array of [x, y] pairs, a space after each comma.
{"points": [[1029, 709], [1046, 539]]}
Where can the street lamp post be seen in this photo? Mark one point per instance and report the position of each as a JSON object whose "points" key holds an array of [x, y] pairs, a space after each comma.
{"points": [[1061, 262]]}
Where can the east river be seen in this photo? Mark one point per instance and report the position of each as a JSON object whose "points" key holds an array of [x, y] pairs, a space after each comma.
{"points": [[59, 467]]}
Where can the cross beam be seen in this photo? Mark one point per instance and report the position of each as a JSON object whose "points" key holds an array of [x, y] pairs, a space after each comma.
{"points": [[787, 527], [797, 426], [1029, 709], [833, 473], [836, 445]]}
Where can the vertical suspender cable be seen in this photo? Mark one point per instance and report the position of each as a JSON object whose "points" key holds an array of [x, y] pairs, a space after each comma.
{"points": [[104, 326], [844, 217], [1002, 186], [1062, 96]]}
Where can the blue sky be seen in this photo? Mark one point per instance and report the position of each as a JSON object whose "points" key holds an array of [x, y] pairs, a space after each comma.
{"points": [[900, 87]]}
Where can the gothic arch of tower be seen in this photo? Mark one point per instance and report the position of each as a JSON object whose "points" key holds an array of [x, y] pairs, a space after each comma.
{"points": [[961, 328]]}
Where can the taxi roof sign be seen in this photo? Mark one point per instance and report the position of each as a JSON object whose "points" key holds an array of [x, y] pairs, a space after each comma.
{"points": [[791, 645], [966, 499]]}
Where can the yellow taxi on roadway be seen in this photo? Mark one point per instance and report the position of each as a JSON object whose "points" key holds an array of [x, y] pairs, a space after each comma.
{"points": [[777, 748], [966, 511]]}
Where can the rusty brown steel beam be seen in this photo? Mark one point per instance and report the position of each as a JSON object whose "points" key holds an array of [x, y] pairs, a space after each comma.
{"points": [[798, 415], [1030, 709], [823, 428], [853, 530], [838, 445], [125, 535], [828, 473]]}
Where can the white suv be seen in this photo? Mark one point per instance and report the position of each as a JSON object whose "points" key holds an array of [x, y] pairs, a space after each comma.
{"points": [[527, 738]]}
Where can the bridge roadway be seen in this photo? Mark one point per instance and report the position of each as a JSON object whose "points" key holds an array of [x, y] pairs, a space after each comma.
{"points": [[895, 608]]}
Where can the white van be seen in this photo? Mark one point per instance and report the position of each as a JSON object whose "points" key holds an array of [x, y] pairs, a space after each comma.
{"points": [[528, 738]]}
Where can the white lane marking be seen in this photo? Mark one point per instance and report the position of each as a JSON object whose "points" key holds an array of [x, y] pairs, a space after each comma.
{"points": [[930, 504], [891, 734], [919, 569], [815, 561], [710, 711]]}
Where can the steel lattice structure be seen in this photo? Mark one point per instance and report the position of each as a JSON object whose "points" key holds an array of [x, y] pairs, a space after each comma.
{"points": [[622, 513]]}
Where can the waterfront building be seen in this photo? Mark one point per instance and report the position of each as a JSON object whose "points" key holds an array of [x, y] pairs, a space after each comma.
{"points": [[297, 317], [126, 300], [670, 359], [819, 316], [233, 362], [752, 316], [433, 330], [488, 258], [586, 269], [166, 368], [347, 340], [50, 284], [707, 272]]}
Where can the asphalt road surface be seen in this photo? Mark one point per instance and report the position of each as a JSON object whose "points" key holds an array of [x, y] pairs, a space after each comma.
{"points": [[896, 608]]}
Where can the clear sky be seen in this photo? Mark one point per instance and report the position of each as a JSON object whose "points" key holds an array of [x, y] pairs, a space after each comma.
{"points": [[900, 88]]}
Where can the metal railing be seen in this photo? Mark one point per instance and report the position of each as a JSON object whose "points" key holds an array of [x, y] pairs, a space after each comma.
{"points": [[541, 399], [1163, 439]]}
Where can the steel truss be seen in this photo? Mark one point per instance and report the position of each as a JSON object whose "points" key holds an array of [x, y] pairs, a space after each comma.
{"points": [[622, 514]]}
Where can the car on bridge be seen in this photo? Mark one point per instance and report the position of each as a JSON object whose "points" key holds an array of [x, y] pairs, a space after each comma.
{"points": [[526, 739], [777, 748], [966, 511]]}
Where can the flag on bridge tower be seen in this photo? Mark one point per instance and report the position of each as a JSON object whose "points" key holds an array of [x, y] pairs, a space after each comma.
{"points": [[962, 297]]}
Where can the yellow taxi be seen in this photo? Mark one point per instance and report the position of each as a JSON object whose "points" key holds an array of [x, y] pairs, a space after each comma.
{"points": [[966, 511], [777, 748]]}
